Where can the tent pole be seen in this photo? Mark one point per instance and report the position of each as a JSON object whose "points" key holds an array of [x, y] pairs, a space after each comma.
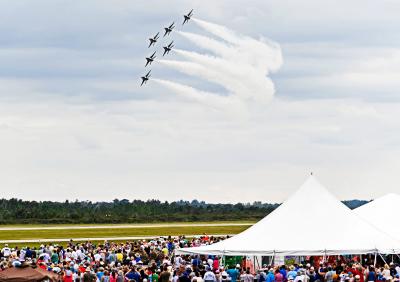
{"points": [[273, 259], [258, 263], [375, 260], [382, 258]]}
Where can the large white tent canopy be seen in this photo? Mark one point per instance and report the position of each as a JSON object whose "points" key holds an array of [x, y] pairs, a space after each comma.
{"points": [[382, 213], [311, 222]]}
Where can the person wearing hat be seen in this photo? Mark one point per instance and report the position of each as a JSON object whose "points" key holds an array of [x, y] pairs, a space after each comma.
{"points": [[292, 272], [6, 251]]}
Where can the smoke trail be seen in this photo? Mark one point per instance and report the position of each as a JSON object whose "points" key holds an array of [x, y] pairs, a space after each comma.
{"points": [[238, 63], [206, 98], [243, 82], [260, 53]]}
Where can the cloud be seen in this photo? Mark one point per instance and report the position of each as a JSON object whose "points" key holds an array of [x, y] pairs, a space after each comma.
{"points": [[74, 122]]}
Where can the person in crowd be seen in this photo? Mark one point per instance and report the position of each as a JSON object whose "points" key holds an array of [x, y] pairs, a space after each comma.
{"points": [[371, 275], [313, 275], [270, 276], [329, 275], [209, 276], [292, 272], [233, 272], [248, 277], [278, 276]]}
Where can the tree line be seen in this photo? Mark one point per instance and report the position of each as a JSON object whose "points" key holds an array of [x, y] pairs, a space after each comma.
{"points": [[17, 211]]}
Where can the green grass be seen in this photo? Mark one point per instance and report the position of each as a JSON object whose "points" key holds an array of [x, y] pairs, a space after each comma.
{"points": [[134, 231], [111, 232]]}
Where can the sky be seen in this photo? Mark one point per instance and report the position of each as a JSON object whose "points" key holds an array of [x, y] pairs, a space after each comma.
{"points": [[257, 95]]}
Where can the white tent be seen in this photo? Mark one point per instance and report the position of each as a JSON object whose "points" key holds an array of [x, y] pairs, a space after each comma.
{"points": [[311, 222], [382, 213]]}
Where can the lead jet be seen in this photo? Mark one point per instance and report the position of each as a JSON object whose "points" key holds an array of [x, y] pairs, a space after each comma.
{"points": [[154, 39], [187, 17], [145, 78], [168, 48], [150, 59], [169, 29]]}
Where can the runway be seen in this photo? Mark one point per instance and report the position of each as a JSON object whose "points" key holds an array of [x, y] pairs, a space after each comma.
{"points": [[84, 239], [123, 226]]}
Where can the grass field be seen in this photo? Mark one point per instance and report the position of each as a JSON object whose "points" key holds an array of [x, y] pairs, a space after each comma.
{"points": [[46, 235]]}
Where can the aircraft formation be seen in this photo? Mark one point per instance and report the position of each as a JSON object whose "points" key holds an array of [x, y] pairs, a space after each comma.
{"points": [[167, 48]]}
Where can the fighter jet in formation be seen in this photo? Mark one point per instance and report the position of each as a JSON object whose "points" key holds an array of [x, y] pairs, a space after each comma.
{"points": [[145, 78], [168, 48], [169, 29], [150, 59], [154, 39], [187, 17]]}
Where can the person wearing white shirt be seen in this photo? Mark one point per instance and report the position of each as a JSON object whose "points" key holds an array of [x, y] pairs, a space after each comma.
{"points": [[6, 251], [209, 276]]}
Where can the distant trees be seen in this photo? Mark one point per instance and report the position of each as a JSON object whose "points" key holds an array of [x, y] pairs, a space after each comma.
{"points": [[125, 211]]}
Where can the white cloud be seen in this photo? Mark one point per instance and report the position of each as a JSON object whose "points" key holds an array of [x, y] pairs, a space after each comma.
{"points": [[74, 122]]}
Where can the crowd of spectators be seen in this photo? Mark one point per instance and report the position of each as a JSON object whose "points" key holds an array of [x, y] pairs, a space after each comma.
{"points": [[155, 261]]}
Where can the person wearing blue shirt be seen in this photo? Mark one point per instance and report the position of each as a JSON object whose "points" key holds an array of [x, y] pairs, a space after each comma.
{"points": [[100, 273], [270, 276], [133, 275], [371, 276], [233, 273], [292, 272], [282, 270]]}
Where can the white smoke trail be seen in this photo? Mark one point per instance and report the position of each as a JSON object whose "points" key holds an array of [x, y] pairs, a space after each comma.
{"points": [[262, 53], [239, 63], [206, 98], [243, 82]]}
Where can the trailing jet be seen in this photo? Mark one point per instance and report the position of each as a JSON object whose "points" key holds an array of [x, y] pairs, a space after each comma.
{"points": [[169, 29], [154, 39], [145, 78], [150, 59], [187, 17], [168, 48]]}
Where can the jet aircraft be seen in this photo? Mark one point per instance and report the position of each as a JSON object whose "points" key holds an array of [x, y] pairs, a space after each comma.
{"points": [[154, 39], [150, 59], [187, 17], [169, 29], [145, 78], [168, 48]]}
